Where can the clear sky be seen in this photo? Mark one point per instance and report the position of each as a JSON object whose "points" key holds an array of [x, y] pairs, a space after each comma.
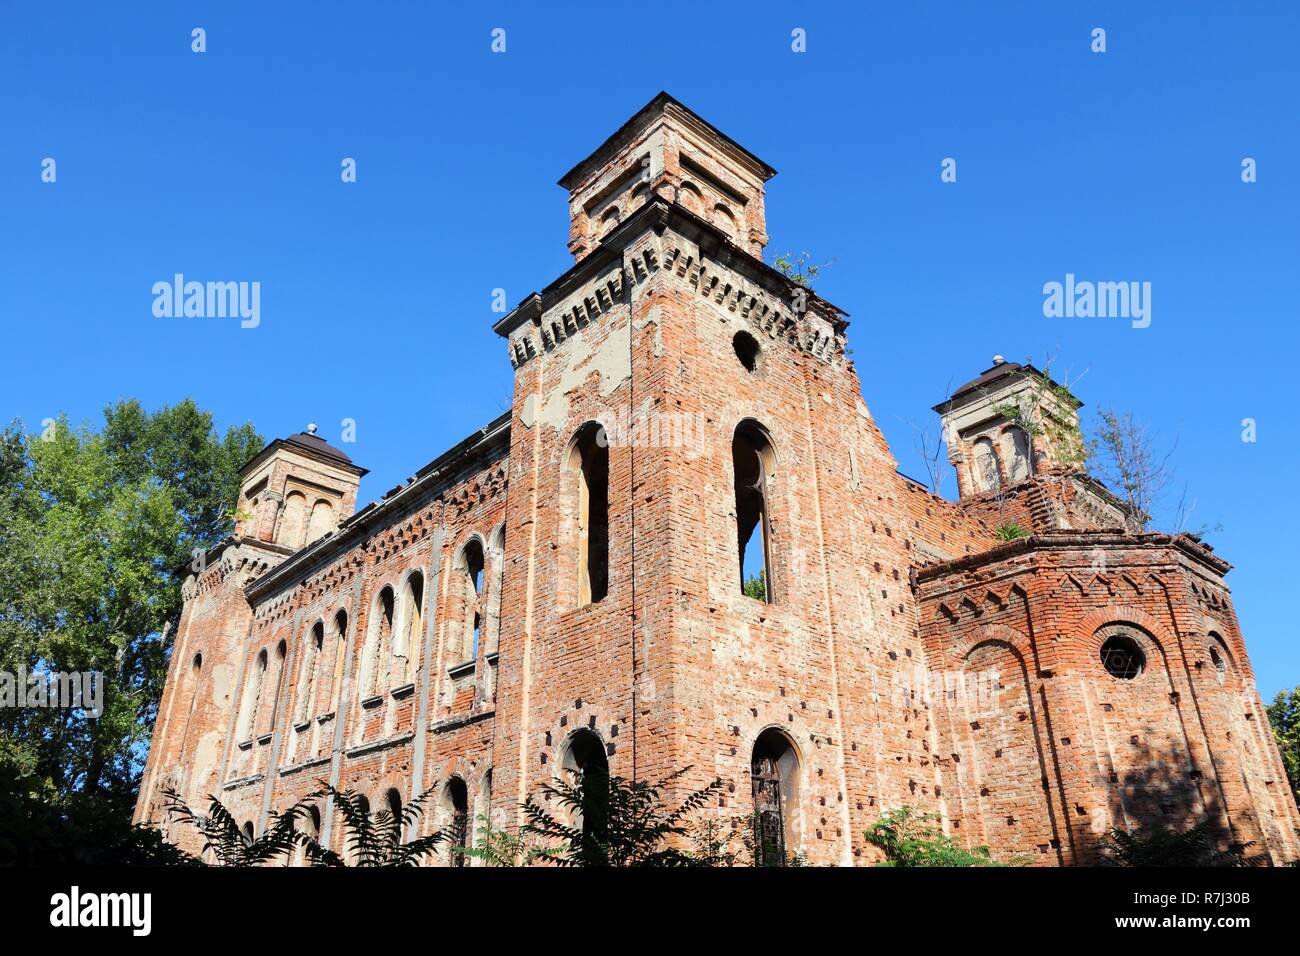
{"points": [[375, 295]]}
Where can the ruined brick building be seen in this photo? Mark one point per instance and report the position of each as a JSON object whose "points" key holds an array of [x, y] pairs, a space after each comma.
{"points": [[563, 589]]}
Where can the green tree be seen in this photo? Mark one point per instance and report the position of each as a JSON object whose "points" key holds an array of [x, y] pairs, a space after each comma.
{"points": [[95, 526], [910, 838], [1284, 718], [39, 826]]}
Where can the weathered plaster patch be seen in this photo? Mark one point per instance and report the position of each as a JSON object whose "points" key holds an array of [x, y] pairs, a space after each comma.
{"points": [[652, 317], [610, 361]]}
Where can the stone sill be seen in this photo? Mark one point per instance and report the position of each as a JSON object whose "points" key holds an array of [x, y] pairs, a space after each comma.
{"points": [[369, 702], [243, 781], [460, 720], [374, 745], [305, 765], [406, 690], [457, 671]]}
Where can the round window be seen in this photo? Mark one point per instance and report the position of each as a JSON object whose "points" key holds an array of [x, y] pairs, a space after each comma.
{"points": [[1122, 657], [747, 350]]}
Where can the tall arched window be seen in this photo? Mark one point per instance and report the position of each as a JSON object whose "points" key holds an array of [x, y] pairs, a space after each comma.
{"points": [[988, 467], [494, 591], [322, 520], [469, 582], [252, 696], [379, 636], [589, 461], [774, 772], [293, 522], [196, 671], [393, 804], [332, 662], [1018, 447], [608, 220], [456, 799], [482, 808], [724, 220], [270, 691], [312, 661], [585, 760], [353, 851], [311, 828], [406, 645], [753, 463]]}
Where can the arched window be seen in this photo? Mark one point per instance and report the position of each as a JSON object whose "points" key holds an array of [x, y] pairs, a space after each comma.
{"points": [[248, 833], [1220, 659], [196, 669], [774, 772], [585, 763], [608, 220], [1022, 462], [482, 809], [753, 462], [494, 594], [406, 646], [331, 660], [747, 349], [456, 799], [310, 824], [688, 195], [469, 582], [988, 467], [252, 696], [266, 715], [393, 804], [724, 220], [312, 660], [353, 852], [322, 520], [294, 520], [379, 636], [589, 461]]}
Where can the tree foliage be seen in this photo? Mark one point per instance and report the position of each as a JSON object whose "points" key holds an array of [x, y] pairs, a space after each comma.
{"points": [[373, 839], [615, 822], [94, 527], [910, 838], [40, 826], [1194, 846], [1284, 718]]}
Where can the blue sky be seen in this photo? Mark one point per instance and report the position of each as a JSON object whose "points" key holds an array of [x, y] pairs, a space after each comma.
{"points": [[1124, 165]]}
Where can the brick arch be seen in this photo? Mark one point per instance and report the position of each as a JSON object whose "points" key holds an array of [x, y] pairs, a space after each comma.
{"points": [[1017, 640], [1010, 815], [1088, 626]]}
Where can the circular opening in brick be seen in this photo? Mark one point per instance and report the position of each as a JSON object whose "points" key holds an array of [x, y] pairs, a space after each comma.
{"points": [[747, 350], [1122, 657]]}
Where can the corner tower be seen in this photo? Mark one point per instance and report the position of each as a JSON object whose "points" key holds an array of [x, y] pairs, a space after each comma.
{"points": [[687, 422]]}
